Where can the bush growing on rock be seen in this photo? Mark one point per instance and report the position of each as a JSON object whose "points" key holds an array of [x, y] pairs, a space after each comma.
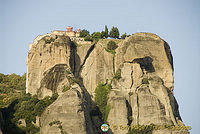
{"points": [[101, 97], [84, 33], [111, 45]]}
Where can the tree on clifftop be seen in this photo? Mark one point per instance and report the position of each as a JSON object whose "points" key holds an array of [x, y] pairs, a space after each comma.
{"points": [[114, 32], [84, 33], [124, 36], [96, 35], [106, 31]]}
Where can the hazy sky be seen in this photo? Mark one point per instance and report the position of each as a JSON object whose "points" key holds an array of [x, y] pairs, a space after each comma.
{"points": [[176, 21]]}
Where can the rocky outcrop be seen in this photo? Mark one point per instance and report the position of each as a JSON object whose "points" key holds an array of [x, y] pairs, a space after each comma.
{"points": [[151, 52], [146, 83], [97, 68], [70, 110], [43, 54], [140, 72]]}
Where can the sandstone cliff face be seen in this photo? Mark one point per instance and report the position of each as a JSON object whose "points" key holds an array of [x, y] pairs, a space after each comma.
{"points": [[142, 95], [43, 54]]}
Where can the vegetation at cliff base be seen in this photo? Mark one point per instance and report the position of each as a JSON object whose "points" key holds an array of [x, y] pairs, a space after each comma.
{"points": [[16, 105], [10, 86], [101, 98]]}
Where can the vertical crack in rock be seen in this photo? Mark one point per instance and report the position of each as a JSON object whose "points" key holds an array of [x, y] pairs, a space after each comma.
{"points": [[137, 119], [72, 60], [86, 112], [87, 55], [114, 64], [131, 77], [87, 103], [129, 113]]}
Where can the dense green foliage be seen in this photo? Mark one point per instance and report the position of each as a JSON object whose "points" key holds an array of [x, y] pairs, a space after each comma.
{"points": [[88, 38], [96, 35], [111, 45], [101, 98], [13, 81], [10, 87], [48, 41], [84, 33], [16, 104], [114, 32]]}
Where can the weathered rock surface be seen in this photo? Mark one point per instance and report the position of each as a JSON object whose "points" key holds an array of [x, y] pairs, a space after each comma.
{"points": [[98, 67], [141, 95], [146, 82], [151, 52], [53, 81], [43, 54], [70, 111]]}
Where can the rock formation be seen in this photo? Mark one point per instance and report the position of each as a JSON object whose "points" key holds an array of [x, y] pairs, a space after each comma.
{"points": [[141, 95]]}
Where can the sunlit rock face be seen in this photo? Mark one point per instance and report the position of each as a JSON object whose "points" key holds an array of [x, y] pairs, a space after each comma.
{"points": [[142, 94]]}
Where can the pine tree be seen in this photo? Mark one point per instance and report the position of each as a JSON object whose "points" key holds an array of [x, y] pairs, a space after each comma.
{"points": [[106, 31], [114, 32]]}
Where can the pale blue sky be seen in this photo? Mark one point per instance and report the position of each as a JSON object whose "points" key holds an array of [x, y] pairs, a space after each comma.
{"points": [[176, 21]]}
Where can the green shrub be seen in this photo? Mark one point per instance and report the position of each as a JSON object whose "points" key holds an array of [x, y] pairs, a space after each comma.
{"points": [[124, 36], [59, 125], [145, 81], [111, 45], [88, 38], [107, 110], [48, 41], [84, 33], [110, 51], [101, 97], [117, 75], [96, 35], [65, 88]]}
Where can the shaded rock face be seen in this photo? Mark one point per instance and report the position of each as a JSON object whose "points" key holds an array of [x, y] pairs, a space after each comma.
{"points": [[53, 80], [141, 95], [1, 123]]}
